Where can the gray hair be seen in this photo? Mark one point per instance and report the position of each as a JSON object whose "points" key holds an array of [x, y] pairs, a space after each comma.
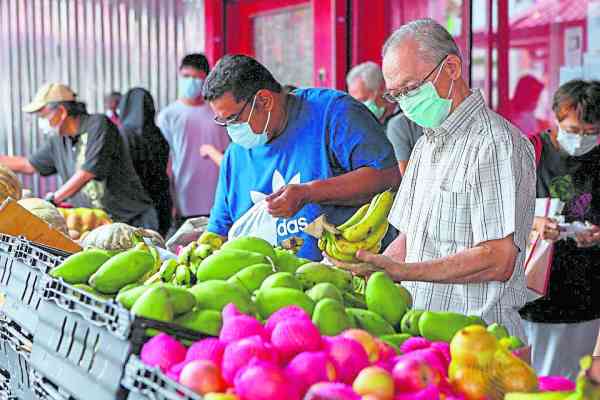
{"points": [[369, 72], [435, 42]]}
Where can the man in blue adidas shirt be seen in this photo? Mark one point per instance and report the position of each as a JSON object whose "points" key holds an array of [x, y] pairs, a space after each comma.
{"points": [[294, 155]]}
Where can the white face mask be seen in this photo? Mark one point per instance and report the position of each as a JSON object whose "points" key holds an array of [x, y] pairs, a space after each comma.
{"points": [[576, 145], [46, 128]]}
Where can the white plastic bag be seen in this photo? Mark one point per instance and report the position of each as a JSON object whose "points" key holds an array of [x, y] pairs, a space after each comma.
{"points": [[256, 222]]}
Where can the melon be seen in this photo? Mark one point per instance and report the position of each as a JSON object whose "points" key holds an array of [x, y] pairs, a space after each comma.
{"points": [[47, 212], [10, 186]]}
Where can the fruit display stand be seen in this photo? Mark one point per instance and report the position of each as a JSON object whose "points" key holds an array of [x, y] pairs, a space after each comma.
{"points": [[15, 367], [83, 343], [146, 382], [23, 265]]}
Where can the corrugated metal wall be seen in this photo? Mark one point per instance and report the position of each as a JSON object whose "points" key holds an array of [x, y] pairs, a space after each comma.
{"points": [[95, 46]]}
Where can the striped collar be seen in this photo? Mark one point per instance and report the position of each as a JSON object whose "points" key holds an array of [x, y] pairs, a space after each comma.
{"points": [[459, 118]]}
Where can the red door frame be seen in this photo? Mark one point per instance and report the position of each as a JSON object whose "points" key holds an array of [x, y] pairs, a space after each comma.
{"points": [[228, 29]]}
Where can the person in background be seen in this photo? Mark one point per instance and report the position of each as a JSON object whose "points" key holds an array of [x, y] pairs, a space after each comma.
{"points": [[89, 155], [111, 103], [562, 325], [148, 149], [523, 105], [294, 156], [187, 125], [366, 84], [466, 203]]}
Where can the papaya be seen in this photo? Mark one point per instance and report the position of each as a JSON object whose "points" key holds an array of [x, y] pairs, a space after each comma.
{"points": [[312, 273], [154, 304], [250, 278], [270, 300], [287, 261], [331, 317], [384, 298], [324, 290], [370, 322], [121, 270], [181, 299], [215, 294], [281, 279], [226, 263], [410, 322], [442, 325], [208, 322], [397, 339], [79, 267], [251, 244]]}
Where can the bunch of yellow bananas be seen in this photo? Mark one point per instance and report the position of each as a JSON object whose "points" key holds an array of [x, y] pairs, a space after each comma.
{"points": [[362, 231]]}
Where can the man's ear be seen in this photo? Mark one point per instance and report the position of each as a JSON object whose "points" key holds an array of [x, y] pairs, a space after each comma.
{"points": [[453, 67], [265, 99]]}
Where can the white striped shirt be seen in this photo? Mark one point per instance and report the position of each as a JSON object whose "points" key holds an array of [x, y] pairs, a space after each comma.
{"points": [[469, 181]]}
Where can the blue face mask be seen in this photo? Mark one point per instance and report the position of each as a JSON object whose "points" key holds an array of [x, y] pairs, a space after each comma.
{"points": [[190, 88], [243, 134]]}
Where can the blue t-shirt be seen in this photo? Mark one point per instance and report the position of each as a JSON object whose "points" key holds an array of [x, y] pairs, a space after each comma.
{"points": [[328, 134]]}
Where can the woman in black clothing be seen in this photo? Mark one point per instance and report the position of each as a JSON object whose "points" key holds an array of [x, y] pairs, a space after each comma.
{"points": [[562, 326], [149, 150]]}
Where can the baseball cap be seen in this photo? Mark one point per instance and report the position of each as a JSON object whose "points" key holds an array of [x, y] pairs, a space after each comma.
{"points": [[49, 93]]}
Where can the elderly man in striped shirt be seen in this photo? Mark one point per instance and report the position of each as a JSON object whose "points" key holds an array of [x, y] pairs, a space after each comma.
{"points": [[466, 204]]}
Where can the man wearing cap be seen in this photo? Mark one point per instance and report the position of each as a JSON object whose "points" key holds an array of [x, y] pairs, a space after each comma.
{"points": [[87, 152]]}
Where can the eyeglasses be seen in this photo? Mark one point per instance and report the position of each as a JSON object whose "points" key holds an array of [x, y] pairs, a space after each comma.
{"points": [[234, 118], [405, 91]]}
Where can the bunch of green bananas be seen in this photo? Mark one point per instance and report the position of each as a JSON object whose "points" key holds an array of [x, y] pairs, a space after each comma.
{"points": [[362, 231]]}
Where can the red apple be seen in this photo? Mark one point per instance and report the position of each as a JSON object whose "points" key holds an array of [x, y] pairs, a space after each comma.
{"points": [[376, 382], [366, 340], [412, 374], [202, 376]]}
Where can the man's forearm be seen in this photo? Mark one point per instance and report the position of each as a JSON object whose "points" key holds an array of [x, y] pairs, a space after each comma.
{"points": [[354, 188], [477, 264], [17, 164], [73, 185]]}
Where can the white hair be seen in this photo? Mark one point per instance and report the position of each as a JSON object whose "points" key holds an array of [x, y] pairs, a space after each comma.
{"points": [[369, 72], [435, 42]]}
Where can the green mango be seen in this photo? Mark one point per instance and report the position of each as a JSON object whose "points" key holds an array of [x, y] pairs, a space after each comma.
{"points": [[312, 273], [331, 317], [384, 298], [543, 396], [251, 244], [476, 320], [223, 264], [154, 304], [90, 290], [325, 290], [130, 286], [397, 339], [208, 322], [408, 300], [215, 294], [354, 300], [281, 279], [442, 325], [121, 270], [410, 322], [499, 331], [287, 261], [79, 267], [371, 322], [270, 300], [250, 278], [181, 299]]}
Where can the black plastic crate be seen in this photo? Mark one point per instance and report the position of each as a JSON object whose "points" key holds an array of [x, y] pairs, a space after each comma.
{"points": [[145, 382], [16, 347], [23, 266], [82, 343]]}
